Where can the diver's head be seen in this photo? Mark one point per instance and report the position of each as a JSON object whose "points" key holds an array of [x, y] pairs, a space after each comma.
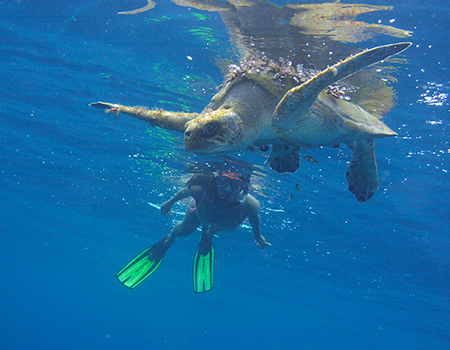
{"points": [[231, 186]]}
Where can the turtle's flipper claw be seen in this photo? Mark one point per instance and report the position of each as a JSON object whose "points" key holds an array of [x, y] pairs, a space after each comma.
{"points": [[110, 107], [114, 110]]}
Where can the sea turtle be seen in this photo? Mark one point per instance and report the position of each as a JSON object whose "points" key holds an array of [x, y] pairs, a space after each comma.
{"points": [[271, 102]]}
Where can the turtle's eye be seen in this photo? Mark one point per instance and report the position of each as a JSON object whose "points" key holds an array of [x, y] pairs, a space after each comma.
{"points": [[210, 129]]}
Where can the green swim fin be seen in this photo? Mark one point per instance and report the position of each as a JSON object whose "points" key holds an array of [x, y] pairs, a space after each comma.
{"points": [[141, 267], [204, 266]]}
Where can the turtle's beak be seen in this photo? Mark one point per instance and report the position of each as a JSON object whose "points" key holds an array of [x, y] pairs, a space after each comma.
{"points": [[190, 139], [208, 135], [189, 145], [193, 139]]}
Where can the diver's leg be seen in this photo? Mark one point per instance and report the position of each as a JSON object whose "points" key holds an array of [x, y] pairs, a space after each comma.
{"points": [[148, 261], [184, 227], [189, 223]]}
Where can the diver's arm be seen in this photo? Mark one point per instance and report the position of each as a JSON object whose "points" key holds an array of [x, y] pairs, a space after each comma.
{"points": [[194, 191], [167, 205], [252, 212]]}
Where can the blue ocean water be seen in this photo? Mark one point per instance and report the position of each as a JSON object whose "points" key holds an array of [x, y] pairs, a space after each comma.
{"points": [[80, 188]]}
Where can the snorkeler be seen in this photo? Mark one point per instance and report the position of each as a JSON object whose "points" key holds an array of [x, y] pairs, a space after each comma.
{"points": [[220, 201]]}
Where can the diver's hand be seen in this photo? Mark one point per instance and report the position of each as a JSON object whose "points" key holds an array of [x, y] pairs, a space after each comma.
{"points": [[166, 207], [261, 242]]}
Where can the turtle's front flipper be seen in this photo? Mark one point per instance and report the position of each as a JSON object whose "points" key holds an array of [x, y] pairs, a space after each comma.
{"points": [[284, 158], [297, 102], [156, 117], [362, 174]]}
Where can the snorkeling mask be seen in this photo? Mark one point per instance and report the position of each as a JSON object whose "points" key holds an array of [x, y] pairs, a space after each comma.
{"points": [[234, 181]]}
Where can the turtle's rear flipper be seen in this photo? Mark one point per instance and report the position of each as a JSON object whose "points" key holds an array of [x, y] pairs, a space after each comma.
{"points": [[284, 158], [362, 174]]}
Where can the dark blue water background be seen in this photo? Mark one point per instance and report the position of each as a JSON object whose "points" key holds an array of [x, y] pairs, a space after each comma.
{"points": [[77, 185]]}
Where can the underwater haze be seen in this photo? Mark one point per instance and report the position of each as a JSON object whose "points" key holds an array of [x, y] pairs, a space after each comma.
{"points": [[80, 192]]}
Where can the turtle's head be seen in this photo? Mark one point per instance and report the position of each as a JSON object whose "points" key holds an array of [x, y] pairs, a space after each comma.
{"points": [[215, 132]]}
